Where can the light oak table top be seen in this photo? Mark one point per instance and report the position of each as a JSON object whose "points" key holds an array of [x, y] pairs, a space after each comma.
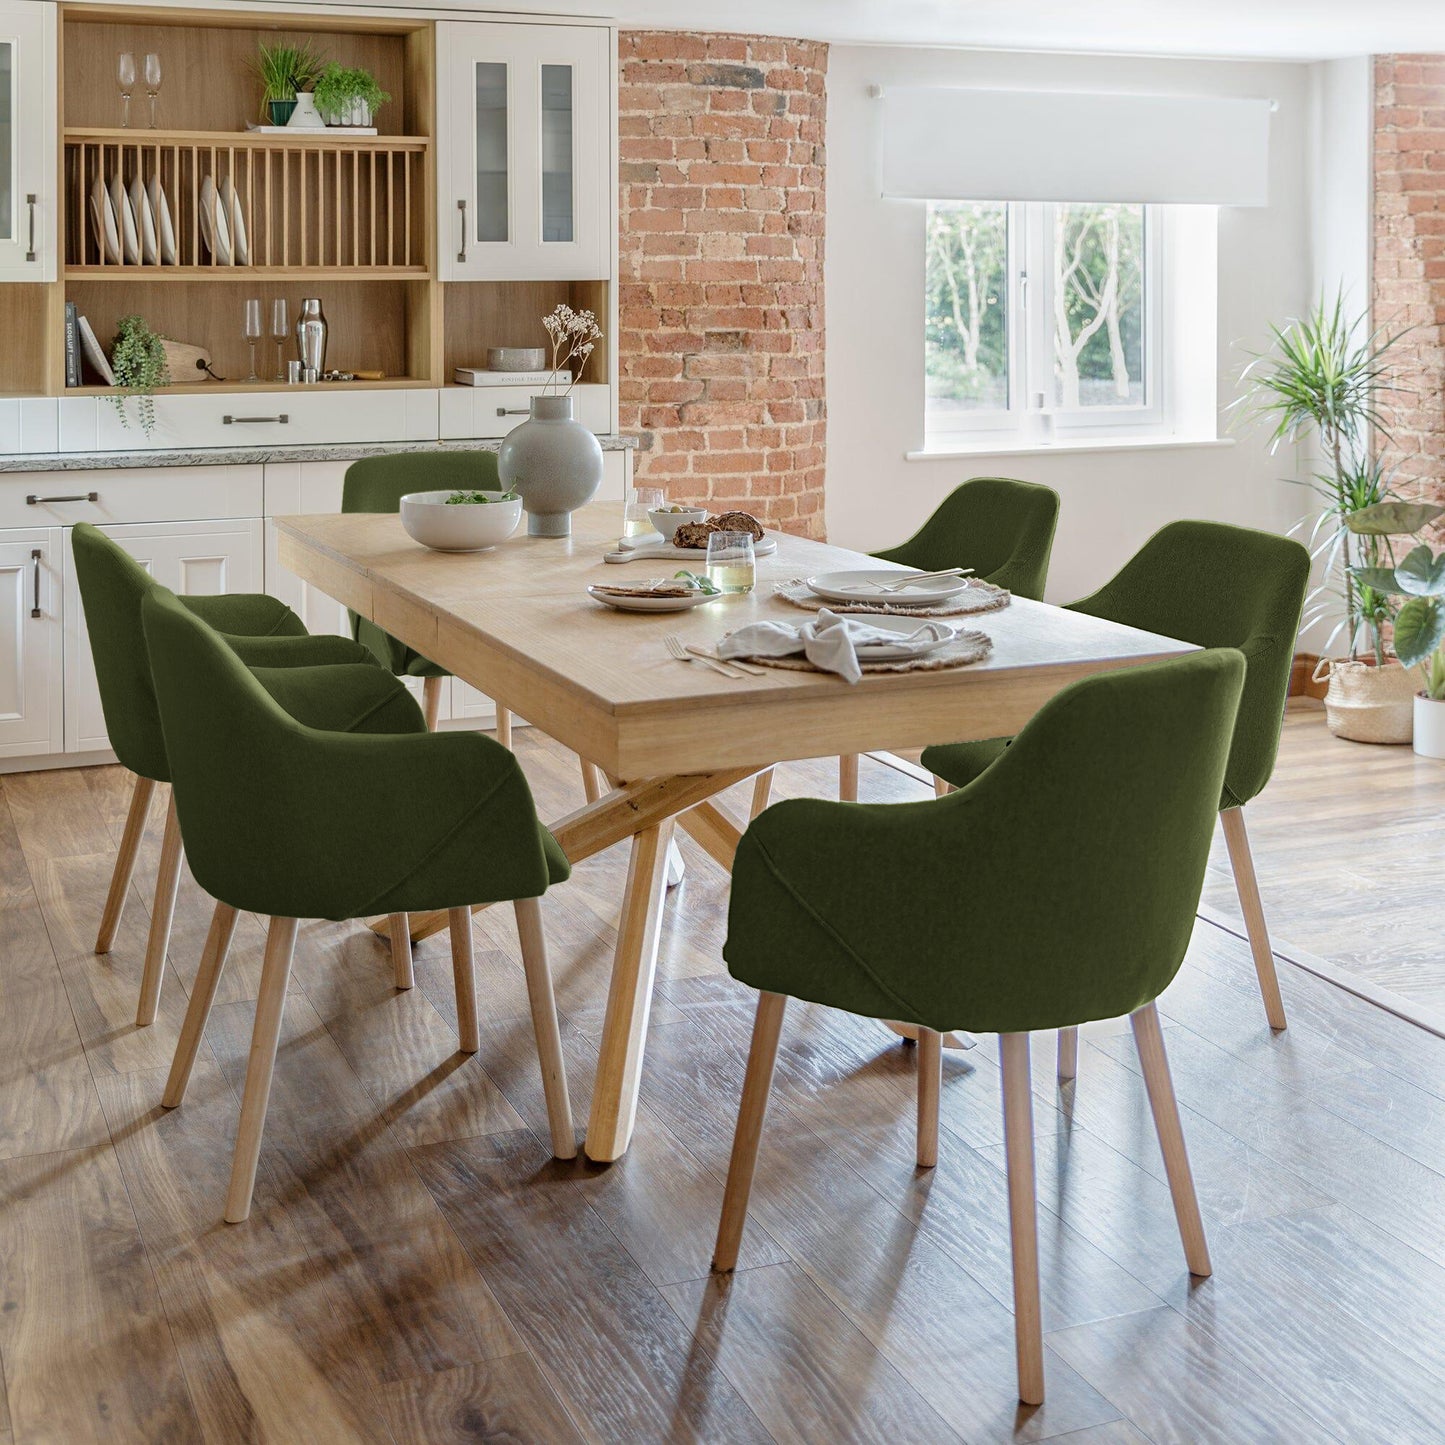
{"points": [[516, 622]]}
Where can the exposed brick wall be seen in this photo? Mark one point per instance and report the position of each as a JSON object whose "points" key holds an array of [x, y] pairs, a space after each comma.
{"points": [[1409, 260], [721, 304]]}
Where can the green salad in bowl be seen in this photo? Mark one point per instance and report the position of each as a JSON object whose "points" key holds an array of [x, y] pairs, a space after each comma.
{"points": [[472, 499]]}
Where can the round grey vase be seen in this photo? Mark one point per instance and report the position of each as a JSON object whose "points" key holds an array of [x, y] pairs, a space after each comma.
{"points": [[554, 462]]}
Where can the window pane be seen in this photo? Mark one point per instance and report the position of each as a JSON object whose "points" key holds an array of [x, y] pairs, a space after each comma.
{"points": [[491, 120], [1098, 320], [966, 323], [556, 152], [7, 145]]}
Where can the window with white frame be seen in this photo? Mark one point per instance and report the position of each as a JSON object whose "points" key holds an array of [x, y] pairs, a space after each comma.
{"points": [[1042, 318]]}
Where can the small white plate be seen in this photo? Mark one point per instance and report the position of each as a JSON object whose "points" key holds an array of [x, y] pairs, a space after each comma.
{"points": [[904, 627], [103, 222], [161, 210], [649, 604], [141, 206], [232, 205], [867, 586], [214, 230], [129, 230]]}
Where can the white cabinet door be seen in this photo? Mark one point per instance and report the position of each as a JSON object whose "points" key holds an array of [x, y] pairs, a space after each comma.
{"points": [[189, 557], [30, 643], [524, 163], [27, 141]]}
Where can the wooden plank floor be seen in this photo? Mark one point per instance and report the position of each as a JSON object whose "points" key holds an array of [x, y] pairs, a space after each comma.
{"points": [[417, 1268]]}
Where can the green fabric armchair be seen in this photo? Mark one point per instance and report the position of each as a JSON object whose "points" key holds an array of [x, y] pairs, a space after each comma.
{"points": [[1215, 586], [298, 821], [260, 629], [1059, 886], [1002, 528]]}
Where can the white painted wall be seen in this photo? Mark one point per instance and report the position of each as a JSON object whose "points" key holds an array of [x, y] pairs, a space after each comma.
{"points": [[1112, 500]]}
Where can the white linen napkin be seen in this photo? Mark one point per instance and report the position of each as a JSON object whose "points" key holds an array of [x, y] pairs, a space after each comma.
{"points": [[829, 641]]}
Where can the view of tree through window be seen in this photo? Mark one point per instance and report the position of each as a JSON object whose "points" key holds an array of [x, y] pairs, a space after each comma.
{"points": [[966, 338], [1098, 305]]}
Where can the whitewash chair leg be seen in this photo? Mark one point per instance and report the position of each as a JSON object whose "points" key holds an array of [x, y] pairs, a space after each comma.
{"points": [[848, 778], [1018, 1129], [504, 725], [762, 792], [431, 701], [464, 976], [1240, 860], [762, 1056], [941, 787], [399, 930], [543, 1003], [1149, 1039], [163, 912], [1068, 1053], [125, 860], [203, 995], [930, 1086], [270, 1008]]}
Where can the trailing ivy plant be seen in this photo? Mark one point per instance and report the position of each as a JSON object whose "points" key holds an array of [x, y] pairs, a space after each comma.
{"points": [[139, 363]]}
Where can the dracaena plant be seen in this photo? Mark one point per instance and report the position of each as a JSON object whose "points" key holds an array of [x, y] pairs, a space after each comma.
{"points": [[1418, 578]]}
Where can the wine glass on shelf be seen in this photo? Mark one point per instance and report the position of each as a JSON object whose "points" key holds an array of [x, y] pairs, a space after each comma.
{"points": [[153, 82], [280, 333], [253, 331], [125, 79]]}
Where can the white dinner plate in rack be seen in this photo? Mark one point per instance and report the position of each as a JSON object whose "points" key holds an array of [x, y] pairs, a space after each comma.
{"points": [[130, 233], [161, 212], [214, 230], [235, 218], [103, 223], [141, 206]]}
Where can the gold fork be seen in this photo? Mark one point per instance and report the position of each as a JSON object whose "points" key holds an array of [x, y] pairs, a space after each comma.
{"points": [[678, 649]]}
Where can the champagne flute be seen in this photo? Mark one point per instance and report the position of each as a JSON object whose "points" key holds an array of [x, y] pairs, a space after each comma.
{"points": [[125, 79], [153, 82], [253, 331], [280, 333]]}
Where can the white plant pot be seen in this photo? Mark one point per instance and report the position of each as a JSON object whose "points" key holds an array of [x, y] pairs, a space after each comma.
{"points": [[305, 116], [353, 113], [1429, 726]]}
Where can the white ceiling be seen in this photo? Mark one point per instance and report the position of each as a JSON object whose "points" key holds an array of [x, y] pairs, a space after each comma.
{"points": [[1290, 29]]}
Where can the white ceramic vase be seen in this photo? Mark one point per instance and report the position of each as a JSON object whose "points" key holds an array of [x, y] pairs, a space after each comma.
{"points": [[554, 462], [1429, 726], [305, 116]]}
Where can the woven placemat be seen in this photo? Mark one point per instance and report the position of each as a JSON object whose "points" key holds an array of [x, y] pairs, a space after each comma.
{"points": [[977, 597], [967, 647]]}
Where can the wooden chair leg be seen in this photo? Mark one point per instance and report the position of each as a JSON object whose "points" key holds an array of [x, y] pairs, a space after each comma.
{"points": [[399, 927], [757, 1083], [270, 1008], [848, 778], [203, 994], [593, 783], [762, 792], [1149, 1039], [1240, 860], [464, 975], [124, 871], [930, 1084], [544, 1025], [431, 701], [1068, 1053], [163, 912], [941, 787], [504, 725], [1018, 1129]]}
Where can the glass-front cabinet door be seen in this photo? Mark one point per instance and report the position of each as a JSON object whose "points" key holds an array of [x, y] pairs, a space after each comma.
{"points": [[525, 151], [27, 140]]}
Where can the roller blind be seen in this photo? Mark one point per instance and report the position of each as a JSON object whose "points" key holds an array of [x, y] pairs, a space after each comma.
{"points": [[1028, 145]]}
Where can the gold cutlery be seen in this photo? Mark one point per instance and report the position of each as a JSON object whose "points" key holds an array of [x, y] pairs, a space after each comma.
{"points": [[678, 649]]}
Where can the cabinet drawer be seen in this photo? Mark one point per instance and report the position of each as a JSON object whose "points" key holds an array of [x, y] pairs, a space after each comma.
{"points": [[162, 494], [492, 411]]}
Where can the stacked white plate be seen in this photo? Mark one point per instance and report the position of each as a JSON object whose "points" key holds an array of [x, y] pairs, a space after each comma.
{"points": [[132, 227]]}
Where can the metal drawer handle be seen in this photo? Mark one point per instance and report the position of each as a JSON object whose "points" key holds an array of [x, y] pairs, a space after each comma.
{"points": [[33, 501], [462, 208], [35, 556], [253, 420], [514, 411], [30, 201]]}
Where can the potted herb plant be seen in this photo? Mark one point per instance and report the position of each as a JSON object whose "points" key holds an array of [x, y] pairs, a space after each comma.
{"points": [[138, 360], [283, 69], [1325, 375], [1419, 633], [346, 96]]}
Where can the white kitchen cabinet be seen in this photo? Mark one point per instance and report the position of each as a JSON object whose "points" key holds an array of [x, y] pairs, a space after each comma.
{"points": [[493, 411], [28, 167], [202, 558], [524, 160], [31, 643]]}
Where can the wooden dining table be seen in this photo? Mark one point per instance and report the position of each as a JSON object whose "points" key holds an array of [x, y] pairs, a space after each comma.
{"points": [[517, 623]]}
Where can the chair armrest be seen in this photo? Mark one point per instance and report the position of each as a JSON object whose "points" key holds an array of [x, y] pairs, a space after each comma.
{"points": [[323, 650], [344, 698], [246, 614]]}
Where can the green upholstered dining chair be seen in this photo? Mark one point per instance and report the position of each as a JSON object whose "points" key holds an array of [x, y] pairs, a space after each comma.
{"points": [[261, 629], [1002, 528], [1058, 887], [1216, 586], [297, 821]]}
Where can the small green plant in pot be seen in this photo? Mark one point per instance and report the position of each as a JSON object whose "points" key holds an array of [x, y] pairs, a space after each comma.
{"points": [[348, 96], [138, 360], [283, 68]]}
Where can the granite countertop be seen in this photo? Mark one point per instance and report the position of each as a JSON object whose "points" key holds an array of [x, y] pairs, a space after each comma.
{"points": [[251, 456]]}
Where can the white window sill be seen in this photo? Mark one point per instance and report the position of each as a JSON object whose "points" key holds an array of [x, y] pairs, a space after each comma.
{"points": [[980, 448]]}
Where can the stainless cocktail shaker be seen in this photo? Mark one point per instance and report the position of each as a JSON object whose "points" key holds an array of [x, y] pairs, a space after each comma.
{"points": [[311, 336]]}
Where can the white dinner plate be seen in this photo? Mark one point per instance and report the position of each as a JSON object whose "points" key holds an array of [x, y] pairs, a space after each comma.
{"points": [[231, 203], [214, 230], [103, 223], [161, 211], [904, 627], [649, 604], [867, 585], [130, 233], [141, 206]]}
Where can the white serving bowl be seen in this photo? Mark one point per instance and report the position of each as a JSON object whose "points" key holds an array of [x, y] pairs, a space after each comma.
{"points": [[668, 522], [458, 527]]}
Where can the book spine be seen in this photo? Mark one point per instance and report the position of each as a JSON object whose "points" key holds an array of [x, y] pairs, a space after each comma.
{"points": [[72, 345], [469, 376]]}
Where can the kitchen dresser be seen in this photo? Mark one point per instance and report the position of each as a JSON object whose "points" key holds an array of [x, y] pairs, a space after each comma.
{"points": [[486, 197]]}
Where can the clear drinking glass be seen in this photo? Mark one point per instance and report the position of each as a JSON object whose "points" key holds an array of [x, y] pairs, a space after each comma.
{"points": [[252, 331], [153, 82], [640, 501], [731, 566], [125, 79], [280, 333]]}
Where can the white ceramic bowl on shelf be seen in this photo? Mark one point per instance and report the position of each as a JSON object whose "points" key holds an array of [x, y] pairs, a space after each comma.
{"points": [[667, 523], [445, 526]]}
